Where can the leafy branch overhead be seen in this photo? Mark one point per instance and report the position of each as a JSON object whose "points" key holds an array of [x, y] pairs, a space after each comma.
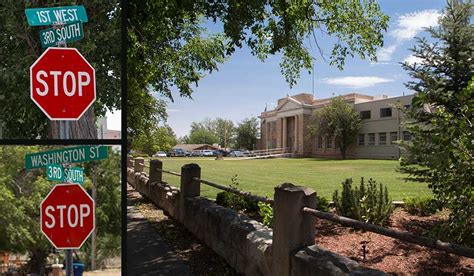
{"points": [[171, 49]]}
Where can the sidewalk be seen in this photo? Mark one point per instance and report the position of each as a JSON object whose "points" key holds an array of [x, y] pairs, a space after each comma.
{"points": [[147, 252]]}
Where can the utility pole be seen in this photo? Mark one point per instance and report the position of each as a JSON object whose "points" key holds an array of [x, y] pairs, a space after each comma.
{"points": [[94, 233]]}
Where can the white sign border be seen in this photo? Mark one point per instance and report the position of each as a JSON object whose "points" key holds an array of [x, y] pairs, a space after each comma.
{"points": [[93, 217], [31, 85]]}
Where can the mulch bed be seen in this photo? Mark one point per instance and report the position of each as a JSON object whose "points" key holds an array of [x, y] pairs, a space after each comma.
{"points": [[391, 255]]}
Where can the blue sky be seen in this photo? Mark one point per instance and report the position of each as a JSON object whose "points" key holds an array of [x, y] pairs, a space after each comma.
{"points": [[243, 86]]}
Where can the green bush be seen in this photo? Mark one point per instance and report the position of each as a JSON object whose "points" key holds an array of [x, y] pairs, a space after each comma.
{"points": [[421, 206], [236, 202], [363, 203], [266, 211], [322, 204]]}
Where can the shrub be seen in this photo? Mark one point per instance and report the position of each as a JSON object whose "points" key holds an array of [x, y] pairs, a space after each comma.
{"points": [[266, 211], [363, 203], [422, 206], [322, 204], [236, 202]]}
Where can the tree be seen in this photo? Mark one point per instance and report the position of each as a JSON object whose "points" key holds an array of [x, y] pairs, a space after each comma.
{"points": [[20, 47], [170, 48], [441, 151], [159, 139], [202, 136], [247, 133], [339, 120], [225, 131]]}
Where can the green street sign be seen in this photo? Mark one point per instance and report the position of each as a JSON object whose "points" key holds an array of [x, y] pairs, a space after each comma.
{"points": [[55, 15], [68, 33], [66, 155], [71, 175]]}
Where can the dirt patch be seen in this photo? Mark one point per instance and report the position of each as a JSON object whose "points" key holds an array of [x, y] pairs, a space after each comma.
{"points": [[200, 258], [391, 255]]}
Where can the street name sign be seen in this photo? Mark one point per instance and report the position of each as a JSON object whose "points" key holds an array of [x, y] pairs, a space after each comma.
{"points": [[62, 83], [55, 15], [66, 155], [68, 33], [69, 175], [67, 216]]}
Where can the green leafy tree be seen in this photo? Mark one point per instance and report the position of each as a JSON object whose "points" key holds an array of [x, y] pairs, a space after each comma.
{"points": [[339, 120], [159, 139], [225, 131], [20, 47], [441, 117], [247, 133], [202, 136], [170, 48]]}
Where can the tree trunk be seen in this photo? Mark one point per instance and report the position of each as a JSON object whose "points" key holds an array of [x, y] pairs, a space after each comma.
{"points": [[84, 128], [37, 261]]}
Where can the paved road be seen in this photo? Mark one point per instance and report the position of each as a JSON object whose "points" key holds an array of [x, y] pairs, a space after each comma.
{"points": [[147, 252]]}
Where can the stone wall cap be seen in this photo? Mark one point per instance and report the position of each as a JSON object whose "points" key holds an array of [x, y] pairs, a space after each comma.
{"points": [[293, 188]]}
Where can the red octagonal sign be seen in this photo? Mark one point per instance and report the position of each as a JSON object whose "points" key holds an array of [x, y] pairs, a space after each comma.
{"points": [[67, 216], [62, 83]]}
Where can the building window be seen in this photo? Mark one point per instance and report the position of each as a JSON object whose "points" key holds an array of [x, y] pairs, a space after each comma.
{"points": [[365, 114], [328, 142], [371, 139], [361, 139], [393, 137], [386, 112], [406, 136], [320, 142], [382, 138]]}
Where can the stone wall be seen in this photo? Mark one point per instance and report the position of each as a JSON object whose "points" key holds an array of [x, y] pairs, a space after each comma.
{"points": [[247, 245]]}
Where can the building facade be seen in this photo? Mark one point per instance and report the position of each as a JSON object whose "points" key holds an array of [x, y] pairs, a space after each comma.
{"points": [[286, 126]]}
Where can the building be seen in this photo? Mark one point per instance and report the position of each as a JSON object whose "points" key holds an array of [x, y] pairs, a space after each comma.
{"points": [[286, 126], [104, 133], [193, 147]]}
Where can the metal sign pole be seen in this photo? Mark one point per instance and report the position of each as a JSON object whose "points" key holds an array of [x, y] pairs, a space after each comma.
{"points": [[63, 125], [69, 259]]}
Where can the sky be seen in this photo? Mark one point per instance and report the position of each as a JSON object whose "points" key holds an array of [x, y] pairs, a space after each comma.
{"points": [[244, 86]]}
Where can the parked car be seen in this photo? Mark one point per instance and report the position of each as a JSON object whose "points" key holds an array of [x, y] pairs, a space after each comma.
{"points": [[220, 152], [207, 153], [160, 154], [236, 153], [176, 152], [196, 153], [188, 153]]}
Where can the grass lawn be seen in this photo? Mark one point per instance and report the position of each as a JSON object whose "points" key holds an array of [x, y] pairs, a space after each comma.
{"points": [[324, 176]]}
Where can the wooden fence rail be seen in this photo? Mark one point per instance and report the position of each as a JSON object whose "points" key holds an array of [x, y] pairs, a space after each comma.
{"points": [[393, 233]]}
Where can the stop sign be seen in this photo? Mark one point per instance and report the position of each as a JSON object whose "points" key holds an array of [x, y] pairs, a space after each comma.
{"points": [[67, 216], [62, 83]]}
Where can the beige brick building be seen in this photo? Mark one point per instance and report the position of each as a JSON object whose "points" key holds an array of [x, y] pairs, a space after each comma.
{"points": [[286, 126]]}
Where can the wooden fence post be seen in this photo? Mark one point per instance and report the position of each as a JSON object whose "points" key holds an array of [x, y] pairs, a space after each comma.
{"points": [[155, 174], [292, 229], [130, 161], [139, 164], [189, 187]]}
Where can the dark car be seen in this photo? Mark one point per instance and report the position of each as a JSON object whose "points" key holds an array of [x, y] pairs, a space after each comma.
{"points": [[176, 152], [220, 153]]}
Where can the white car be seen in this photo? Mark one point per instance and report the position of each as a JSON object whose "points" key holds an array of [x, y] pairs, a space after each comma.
{"points": [[237, 153], [207, 153], [160, 154]]}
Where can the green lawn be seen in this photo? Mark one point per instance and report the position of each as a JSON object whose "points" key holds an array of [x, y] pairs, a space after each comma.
{"points": [[324, 176]]}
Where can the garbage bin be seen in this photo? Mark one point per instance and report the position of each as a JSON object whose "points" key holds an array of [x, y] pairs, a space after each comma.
{"points": [[78, 269]]}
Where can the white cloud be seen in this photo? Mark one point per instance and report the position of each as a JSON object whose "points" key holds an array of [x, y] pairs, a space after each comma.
{"points": [[172, 110], [411, 59], [410, 24], [356, 82], [385, 54]]}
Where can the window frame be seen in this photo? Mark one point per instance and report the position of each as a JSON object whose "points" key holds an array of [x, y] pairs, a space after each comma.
{"points": [[385, 109], [368, 140]]}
